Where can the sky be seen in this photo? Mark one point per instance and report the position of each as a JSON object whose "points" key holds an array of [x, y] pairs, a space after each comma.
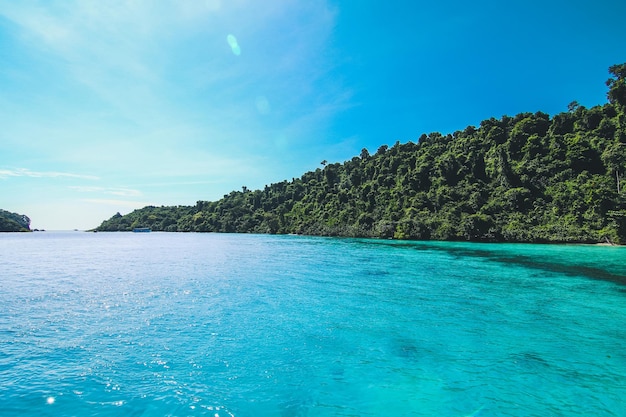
{"points": [[110, 106]]}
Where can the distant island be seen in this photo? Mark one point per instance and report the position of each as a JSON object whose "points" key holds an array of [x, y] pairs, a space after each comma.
{"points": [[526, 178], [13, 222]]}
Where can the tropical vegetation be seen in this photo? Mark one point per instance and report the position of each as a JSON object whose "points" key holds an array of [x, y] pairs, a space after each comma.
{"points": [[524, 178], [13, 222]]}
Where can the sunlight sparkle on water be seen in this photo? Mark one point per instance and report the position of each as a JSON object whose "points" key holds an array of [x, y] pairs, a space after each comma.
{"points": [[50, 400]]}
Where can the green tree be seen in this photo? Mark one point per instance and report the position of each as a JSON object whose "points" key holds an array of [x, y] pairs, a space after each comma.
{"points": [[614, 158], [571, 108], [617, 85]]}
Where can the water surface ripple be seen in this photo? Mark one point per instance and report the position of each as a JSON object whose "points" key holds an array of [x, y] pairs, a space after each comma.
{"points": [[243, 325]]}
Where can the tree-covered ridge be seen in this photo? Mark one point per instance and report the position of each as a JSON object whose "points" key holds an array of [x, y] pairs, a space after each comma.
{"points": [[13, 222], [527, 178]]}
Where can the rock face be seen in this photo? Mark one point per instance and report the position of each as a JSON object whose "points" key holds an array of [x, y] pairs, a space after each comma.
{"points": [[13, 222]]}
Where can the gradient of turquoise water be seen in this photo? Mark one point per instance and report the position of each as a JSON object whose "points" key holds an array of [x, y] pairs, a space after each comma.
{"points": [[218, 325]]}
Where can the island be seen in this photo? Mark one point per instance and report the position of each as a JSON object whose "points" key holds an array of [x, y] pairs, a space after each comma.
{"points": [[13, 222], [526, 178]]}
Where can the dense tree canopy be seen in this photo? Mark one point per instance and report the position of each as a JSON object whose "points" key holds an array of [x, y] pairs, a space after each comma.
{"points": [[13, 222], [526, 178]]}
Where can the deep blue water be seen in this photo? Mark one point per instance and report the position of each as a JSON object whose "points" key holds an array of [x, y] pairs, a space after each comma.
{"points": [[216, 325]]}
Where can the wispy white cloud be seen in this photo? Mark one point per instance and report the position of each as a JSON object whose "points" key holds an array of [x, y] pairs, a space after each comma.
{"points": [[150, 93], [122, 192], [167, 65], [125, 204], [139, 56], [24, 172]]}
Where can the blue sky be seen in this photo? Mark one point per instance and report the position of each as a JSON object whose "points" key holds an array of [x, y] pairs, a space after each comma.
{"points": [[108, 106]]}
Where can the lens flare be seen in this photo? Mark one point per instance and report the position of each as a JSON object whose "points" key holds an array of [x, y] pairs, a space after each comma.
{"points": [[234, 46], [262, 105]]}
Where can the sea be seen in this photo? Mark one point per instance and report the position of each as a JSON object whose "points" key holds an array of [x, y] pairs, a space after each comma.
{"points": [[233, 325]]}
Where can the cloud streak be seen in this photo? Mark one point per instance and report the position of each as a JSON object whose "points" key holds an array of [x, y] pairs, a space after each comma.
{"points": [[126, 53], [25, 172], [122, 192], [190, 99], [126, 204]]}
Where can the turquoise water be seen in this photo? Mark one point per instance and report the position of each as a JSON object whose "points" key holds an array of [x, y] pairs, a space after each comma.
{"points": [[160, 324]]}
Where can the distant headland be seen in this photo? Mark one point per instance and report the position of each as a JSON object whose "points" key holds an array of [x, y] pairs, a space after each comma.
{"points": [[526, 178], [13, 222]]}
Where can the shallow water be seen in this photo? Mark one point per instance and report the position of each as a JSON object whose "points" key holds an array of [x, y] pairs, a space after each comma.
{"points": [[245, 325]]}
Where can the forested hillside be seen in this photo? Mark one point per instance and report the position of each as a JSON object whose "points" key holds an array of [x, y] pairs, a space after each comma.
{"points": [[526, 178], [13, 222]]}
